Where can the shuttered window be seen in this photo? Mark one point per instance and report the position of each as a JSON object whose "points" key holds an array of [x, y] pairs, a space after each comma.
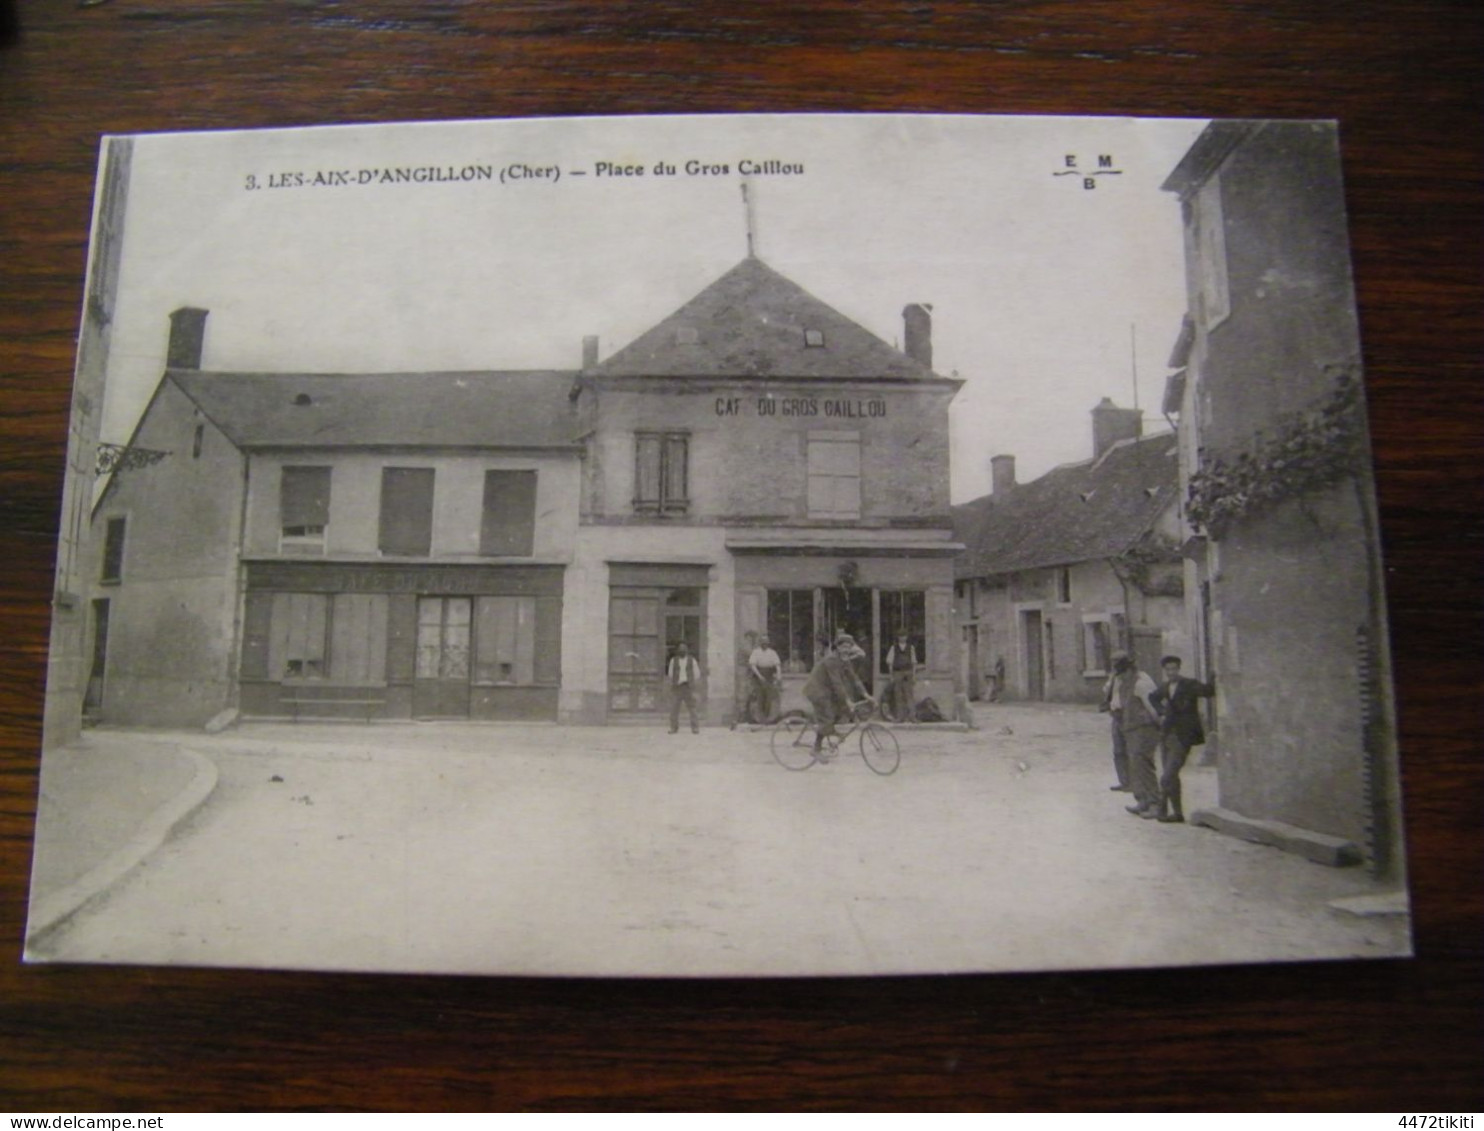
{"points": [[505, 640], [835, 475], [304, 507], [406, 511], [661, 472], [508, 527]]}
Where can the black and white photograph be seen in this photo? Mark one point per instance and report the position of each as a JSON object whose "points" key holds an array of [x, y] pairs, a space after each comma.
{"points": [[735, 545]]}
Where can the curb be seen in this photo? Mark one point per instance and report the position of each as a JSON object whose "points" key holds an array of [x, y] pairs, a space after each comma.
{"points": [[52, 910]]}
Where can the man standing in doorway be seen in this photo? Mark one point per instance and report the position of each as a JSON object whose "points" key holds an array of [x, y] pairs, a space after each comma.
{"points": [[683, 674], [901, 663], [1139, 718], [1177, 700], [763, 666]]}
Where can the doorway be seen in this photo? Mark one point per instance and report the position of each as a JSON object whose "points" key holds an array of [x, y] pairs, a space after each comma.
{"points": [[1035, 671], [92, 701], [646, 624], [440, 688]]}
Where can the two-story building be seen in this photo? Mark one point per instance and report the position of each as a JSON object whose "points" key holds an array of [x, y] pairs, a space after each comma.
{"points": [[1283, 575], [311, 545], [757, 464]]}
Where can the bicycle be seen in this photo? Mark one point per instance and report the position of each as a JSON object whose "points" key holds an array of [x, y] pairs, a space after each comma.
{"points": [[793, 741]]}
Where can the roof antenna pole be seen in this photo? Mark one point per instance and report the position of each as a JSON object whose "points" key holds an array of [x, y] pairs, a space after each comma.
{"points": [[1133, 348], [747, 218]]}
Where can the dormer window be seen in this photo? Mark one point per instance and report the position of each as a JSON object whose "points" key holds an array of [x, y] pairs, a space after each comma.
{"points": [[814, 339]]}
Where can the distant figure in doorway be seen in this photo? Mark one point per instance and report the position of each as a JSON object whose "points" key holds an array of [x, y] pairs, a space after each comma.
{"points": [[1138, 717], [683, 674], [763, 668], [997, 686], [901, 663], [1177, 700], [832, 689]]}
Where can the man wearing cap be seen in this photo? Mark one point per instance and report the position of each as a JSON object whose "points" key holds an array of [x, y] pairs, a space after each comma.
{"points": [[1132, 705], [832, 689]]}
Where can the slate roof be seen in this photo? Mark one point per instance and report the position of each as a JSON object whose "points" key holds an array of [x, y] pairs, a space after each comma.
{"points": [[751, 323], [525, 409], [1074, 513]]}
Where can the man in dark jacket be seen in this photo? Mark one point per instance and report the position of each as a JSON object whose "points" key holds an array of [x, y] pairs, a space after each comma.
{"points": [[1177, 699], [833, 689]]}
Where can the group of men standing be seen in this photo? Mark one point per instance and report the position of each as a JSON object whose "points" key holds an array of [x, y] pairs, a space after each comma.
{"points": [[1149, 716]]}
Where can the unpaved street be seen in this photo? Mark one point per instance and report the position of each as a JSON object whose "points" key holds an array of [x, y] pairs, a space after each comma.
{"points": [[629, 851]]}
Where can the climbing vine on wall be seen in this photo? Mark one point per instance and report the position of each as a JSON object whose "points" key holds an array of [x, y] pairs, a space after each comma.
{"points": [[1306, 453], [1147, 564]]}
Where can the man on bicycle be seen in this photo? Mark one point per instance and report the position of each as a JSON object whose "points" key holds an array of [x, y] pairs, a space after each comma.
{"points": [[833, 689]]}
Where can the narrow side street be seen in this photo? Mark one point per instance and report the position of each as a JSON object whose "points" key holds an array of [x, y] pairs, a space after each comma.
{"points": [[628, 851]]}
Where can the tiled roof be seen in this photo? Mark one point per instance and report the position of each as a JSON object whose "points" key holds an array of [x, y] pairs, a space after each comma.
{"points": [[1075, 513], [477, 409], [752, 322]]}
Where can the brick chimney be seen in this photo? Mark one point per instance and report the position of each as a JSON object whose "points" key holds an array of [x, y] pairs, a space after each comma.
{"points": [[1001, 475], [917, 332], [187, 335], [1110, 424], [589, 351]]}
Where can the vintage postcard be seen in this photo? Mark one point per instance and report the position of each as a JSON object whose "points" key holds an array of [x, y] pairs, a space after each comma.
{"points": [[741, 545]]}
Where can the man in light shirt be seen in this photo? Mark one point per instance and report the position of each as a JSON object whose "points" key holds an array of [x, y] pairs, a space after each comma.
{"points": [[763, 668], [1131, 701], [683, 674]]}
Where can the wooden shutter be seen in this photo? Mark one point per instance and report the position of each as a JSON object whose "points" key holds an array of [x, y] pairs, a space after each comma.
{"points": [[406, 511], [509, 523]]}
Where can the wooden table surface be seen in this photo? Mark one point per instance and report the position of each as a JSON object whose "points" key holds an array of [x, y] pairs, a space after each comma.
{"points": [[1404, 79]]}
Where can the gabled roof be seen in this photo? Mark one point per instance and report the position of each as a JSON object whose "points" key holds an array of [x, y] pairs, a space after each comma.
{"points": [[526, 409], [751, 323], [1075, 513]]}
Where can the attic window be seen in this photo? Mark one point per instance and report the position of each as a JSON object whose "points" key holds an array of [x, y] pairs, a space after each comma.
{"points": [[303, 399], [686, 336], [814, 339]]}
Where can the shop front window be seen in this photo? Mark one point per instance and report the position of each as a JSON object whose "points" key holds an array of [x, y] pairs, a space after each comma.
{"points": [[791, 627]]}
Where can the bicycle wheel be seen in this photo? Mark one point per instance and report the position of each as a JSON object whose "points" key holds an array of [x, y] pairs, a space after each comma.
{"points": [[879, 749], [793, 742]]}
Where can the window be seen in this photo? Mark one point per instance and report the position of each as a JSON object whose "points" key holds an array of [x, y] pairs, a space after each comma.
{"points": [[791, 627], [296, 645], [1050, 651], [661, 472], [358, 634], [1097, 646], [197, 439], [1210, 256], [304, 508], [509, 525], [834, 475], [1064, 585], [904, 610], [406, 511], [113, 551], [814, 339], [505, 640]]}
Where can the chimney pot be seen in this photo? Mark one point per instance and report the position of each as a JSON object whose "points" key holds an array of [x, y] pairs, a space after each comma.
{"points": [[1110, 424], [187, 335], [589, 351], [1002, 475], [917, 333]]}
